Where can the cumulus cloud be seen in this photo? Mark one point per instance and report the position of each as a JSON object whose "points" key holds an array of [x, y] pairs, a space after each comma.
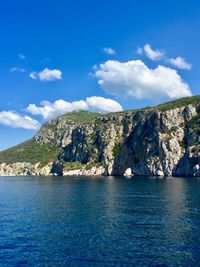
{"points": [[102, 105], [14, 120], [22, 56], [153, 54], [50, 110], [46, 75], [135, 79], [180, 63], [109, 51], [17, 69]]}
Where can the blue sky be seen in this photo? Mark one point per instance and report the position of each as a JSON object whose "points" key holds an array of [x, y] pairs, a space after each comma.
{"points": [[52, 50]]}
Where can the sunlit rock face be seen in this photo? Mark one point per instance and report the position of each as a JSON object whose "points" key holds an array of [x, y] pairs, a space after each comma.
{"points": [[160, 144], [23, 169], [159, 141], [128, 172]]}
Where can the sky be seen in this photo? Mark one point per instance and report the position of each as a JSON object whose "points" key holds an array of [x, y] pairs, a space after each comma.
{"points": [[102, 56]]}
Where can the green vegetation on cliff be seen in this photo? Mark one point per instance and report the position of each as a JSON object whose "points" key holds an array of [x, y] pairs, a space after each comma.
{"points": [[116, 149], [70, 166], [178, 103], [195, 124], [29, 151], [81, 116], [194, 100]]}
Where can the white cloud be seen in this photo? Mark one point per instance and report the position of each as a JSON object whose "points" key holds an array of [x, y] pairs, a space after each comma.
{"points": [[16, 69], [109, 51], [135, 79], [14, 120], [102, 105], [50, 75], [180, 62], [21, 56], [50, 110], [46, 75], [153, 54], [33, 75]]}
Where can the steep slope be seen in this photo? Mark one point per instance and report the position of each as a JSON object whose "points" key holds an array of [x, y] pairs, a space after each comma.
{"points": [[162, 140]]}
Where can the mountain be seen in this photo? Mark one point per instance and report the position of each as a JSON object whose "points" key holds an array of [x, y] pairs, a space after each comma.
{"points": [[163, 140]]}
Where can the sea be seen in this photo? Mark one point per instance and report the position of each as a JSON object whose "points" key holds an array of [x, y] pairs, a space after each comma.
{"points": [[99, 221]]}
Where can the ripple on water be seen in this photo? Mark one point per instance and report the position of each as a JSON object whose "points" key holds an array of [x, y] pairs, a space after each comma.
{"points": [[99, 222]]}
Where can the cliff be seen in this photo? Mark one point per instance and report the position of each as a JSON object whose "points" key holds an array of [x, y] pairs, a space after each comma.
{"points": [[162, 141]]}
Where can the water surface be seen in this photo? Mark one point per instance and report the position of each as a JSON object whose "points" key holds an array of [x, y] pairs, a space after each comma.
{"points": [[67, 221]]}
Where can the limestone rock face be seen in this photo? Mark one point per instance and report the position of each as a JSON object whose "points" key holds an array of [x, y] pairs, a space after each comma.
{"points": [[27, 169], [159, 145], [94, 171], [160, 141], [23, 169]]}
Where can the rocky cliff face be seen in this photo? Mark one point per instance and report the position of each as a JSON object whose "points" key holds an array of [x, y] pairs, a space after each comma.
{"points": [[161, 141]]}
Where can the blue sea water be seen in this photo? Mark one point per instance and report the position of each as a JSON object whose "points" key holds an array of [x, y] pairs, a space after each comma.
{"points": [[112, 221]]}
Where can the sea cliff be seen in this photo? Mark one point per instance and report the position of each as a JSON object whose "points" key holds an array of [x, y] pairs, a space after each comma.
{"points": [[156, 141]]}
